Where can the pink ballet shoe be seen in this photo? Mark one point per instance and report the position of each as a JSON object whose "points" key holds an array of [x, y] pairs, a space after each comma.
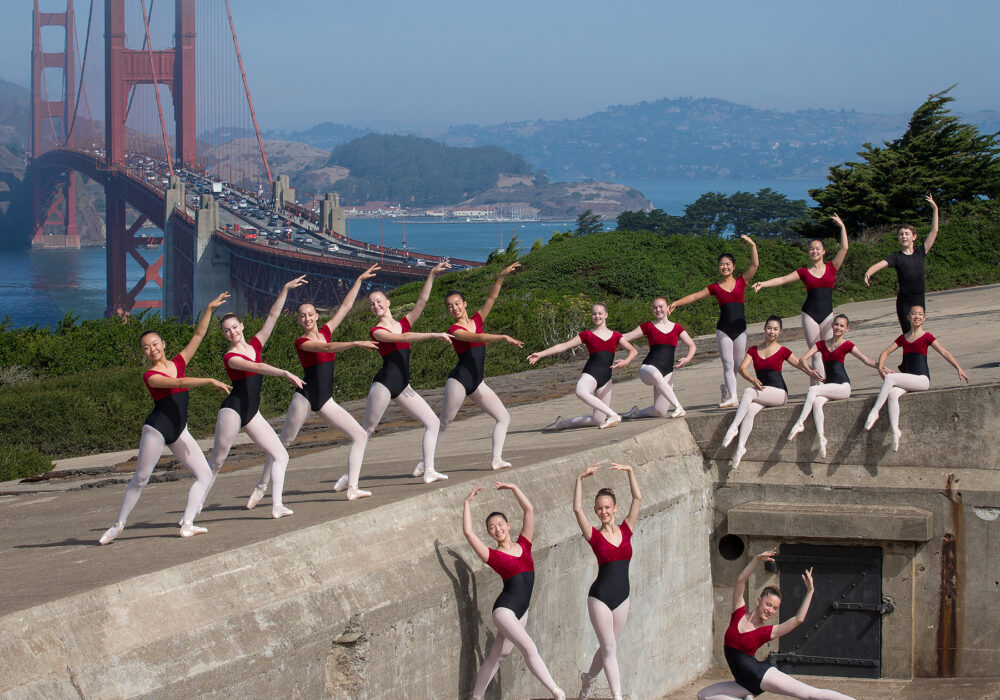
{"points": [[738, 457], [430, 476], [870, 421], [280, 512], [896, 435], [190, 530], [419, 469], [354, 493], [630, 414], [730, 403], [613, 420], [500, 464], [822, 447], [111, 533], [796, 429], [679, 412], [557, 424], [730, 434], [255, 498], [341, 484]]}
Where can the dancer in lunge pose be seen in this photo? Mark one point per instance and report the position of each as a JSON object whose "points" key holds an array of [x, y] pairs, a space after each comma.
{"points": [[512, 560], [167, 424], [909, 264], [768, 388], [466, 380], [747, 633], [607, 600], [317, 353], [913, 374], [818, 278], [392, 383], [658, 366], [731, 328], [240, 410], [836, 385], [594, 385]]}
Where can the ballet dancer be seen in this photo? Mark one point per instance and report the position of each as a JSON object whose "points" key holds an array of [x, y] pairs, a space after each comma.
{"points": [[466, 380], [317, 353], [594, 385], [836, 383], [240, 410], [818, 278], [607, 600], [167, 424], [731, 328], [747, 633], [768, 388], [392, 383], [908, 262], [658, 366], [913, 374], [512, 560]]}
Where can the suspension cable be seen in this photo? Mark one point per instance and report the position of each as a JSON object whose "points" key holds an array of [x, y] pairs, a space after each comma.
{"points": [[246, 87], [145, 41], [156, 89], [83, 66]]}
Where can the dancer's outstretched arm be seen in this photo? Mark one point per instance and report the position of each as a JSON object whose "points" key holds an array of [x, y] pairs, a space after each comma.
{"points": [[799, 364], [555, 349], [776, 281], [689, 299], [349, 299], [581, 518], [932, 236], [740, 587], [528, 523], [337, 346], [950, 358], [754, 260], [425, 292], [838, 259], [244, 365], [491, 298], [856, 351], [481, 550], [272, 316], [800, 617], [633, 485], [159, 381], [880, 265], [202, 328]]}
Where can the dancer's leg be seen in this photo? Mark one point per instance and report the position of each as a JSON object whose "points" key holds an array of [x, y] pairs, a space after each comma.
{"points": [[454, 397], [663, 393], [727, 354], [814, 332], [295, 418], [775, 681], [609, 626], [513, 630], [227, 427], [749, 395], [336, 416], [375, 405], [727, 690], [595, 397], [490, 403], [150, 450], [414, 405], [261, 432], [190, 455], [902, 380], [491, 664], [824, 393], [903, 383], [768, 396]]}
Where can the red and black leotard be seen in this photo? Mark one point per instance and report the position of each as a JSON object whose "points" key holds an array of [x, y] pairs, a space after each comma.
{"points": [[395, 372], [602, 355], [732, 316], [470, 369], [319, 371], [611, 586], [661, 346], [768, 369], [915, 354], [245, 396], [819, 292], [833, 362], [739, 649], [170, 406], [518, 574]]}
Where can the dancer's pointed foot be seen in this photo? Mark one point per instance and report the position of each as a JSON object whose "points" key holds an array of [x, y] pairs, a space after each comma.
{"points": [[630, 414], [796, 429], [870, 421], [679, 412], [190, 530], [610, 421], [499, 463], [557, 424], [430, 476], [341, 484], [559, 694], [730, 434], [280, 511], [354, 493], [738, 456], [419, 469], [730, 403], [822, 447], [112, 532], [896, 435], [586, 680], [255, 497]]}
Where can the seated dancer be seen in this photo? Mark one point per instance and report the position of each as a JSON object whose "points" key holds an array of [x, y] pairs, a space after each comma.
{"points": [[913, 375], [167, 424], [658, 366], [747, 633], [317, 353], [594, 385], [836, 385]]}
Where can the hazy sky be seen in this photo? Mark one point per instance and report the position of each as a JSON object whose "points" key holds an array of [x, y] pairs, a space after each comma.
{"points": [[443, 62]]}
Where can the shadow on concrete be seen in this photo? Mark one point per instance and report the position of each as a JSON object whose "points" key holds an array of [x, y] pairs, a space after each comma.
{"points": [[463, 584]]}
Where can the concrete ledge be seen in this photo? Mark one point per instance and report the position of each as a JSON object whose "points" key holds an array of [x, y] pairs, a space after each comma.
{"points": [[831, 521]]}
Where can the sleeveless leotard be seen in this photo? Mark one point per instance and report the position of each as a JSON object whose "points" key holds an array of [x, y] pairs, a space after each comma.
{"points": [[518, 574], [611, 586]]}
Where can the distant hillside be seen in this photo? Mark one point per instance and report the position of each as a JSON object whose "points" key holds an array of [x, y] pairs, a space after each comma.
{"points": [[689, 138], [15, 113], [326, 135]]}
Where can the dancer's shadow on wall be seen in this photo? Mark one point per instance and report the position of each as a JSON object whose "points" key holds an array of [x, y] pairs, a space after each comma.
{"points": [[463, 582]]}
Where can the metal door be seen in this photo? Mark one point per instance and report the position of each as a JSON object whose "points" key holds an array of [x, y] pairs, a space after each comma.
{"points": [[842, 634]]}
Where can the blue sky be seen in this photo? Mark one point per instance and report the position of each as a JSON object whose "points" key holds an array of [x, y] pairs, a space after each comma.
{"points": [[435, 63]]}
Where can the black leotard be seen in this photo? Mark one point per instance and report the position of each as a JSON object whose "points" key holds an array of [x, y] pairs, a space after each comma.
{"points": [[661, 346], [470, 369], [245, 396], [395, 371], [739, 649], [602, 355], [318, 367], [915, 354], [732, 316], [518, 574], [819, 292], [611, 586], [170, 406], [833, 362], [910, 277], [768, 370]]}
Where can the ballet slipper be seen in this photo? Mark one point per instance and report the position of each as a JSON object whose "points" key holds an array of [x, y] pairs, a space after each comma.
{"points": [[613, 420], [341, 484], [190, 530], [559, 694], [822, 447], [500, 464], [630, 414], [896, 435], [730, 403], [730, 434], [255, 497], [280, 511], [738, 456], [430, 476], [354, 493], [796, 429], [419, 469], [557, 424], [112, 532], [679, 412], [870, 421]]}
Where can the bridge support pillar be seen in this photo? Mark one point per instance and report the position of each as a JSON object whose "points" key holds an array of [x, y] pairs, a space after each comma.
{"points": [[213, 262], [331, 214], [116, 247], [178, 261], [283, 191]]}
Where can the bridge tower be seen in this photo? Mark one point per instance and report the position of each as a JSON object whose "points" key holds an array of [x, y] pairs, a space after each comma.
{"points": [[53, 197]]}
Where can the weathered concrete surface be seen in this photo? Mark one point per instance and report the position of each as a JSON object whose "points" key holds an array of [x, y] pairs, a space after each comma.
{"points": [[313, 614]]}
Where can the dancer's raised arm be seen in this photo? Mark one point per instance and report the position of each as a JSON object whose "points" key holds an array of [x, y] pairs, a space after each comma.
{"points": [[425, 292], [528, 523], [349, 299], [481, 550], [754, 260], [581, 518], [740, 587], [272, 315], [633, 485], [494, 292], [202, 328], [932, 235], [841, 255], [800, 617]]}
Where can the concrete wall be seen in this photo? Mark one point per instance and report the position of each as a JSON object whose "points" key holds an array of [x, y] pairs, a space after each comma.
{"points": [[945, 588], [406, 615]]}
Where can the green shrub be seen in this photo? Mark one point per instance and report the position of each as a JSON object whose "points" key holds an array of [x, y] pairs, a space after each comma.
{"points": [[22, 462]]}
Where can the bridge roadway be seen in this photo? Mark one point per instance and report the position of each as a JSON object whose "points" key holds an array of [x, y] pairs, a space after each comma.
{"points": [[48, 541]]}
